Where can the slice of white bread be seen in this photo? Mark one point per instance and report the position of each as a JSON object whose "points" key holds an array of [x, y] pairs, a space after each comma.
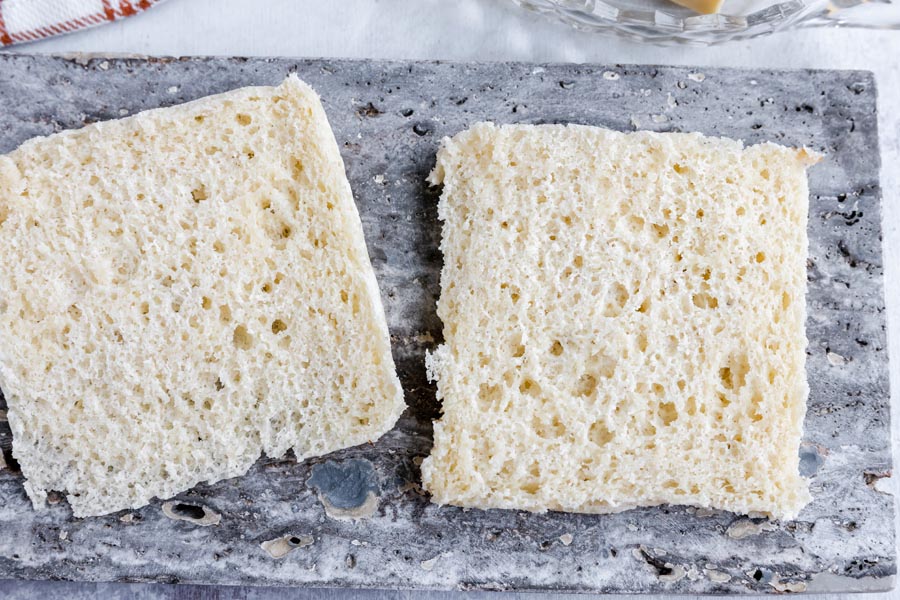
{"points": [[181, 291], [623, 321]]}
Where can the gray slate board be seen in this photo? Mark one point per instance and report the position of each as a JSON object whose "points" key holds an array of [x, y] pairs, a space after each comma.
{"points": [[388, 118]]}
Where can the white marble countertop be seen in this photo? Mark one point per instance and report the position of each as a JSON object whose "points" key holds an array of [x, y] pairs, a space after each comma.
{"points": [[467, 30]]}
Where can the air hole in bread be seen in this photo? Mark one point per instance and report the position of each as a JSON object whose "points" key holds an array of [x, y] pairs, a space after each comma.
{"points": [[297, 169], [616, 300], [726, 377], [636, 223], [278, 326], [724, 402], [704, 300], [530, 387], [690, 406], [668, 413], [599, 434], [586, 385], [642, 342], [549, 427], [198, 194], [488, 394], [530, 487], [74, 312]]}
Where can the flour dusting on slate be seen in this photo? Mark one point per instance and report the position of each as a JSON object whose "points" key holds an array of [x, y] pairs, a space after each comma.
{"points": [[288, 524]]}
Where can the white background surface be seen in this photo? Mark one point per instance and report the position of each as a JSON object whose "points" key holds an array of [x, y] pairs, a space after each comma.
{"points": [[470, 30]]}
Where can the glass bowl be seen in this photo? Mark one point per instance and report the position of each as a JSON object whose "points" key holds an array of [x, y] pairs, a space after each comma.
{"points": [[661, 22]]}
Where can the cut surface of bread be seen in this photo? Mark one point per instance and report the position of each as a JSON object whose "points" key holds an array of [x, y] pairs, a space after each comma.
{"points": [[623, 321], [181, 291]]}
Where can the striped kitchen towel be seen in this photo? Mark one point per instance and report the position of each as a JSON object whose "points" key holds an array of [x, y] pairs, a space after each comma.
{"points": [[29, 20]]}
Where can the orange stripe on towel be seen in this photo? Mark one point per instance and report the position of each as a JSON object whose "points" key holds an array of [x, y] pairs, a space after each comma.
{"points": [[5, 39]]}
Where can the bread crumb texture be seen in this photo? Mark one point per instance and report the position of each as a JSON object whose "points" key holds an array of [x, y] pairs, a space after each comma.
{"points": [[623, 321], [181, 291]]}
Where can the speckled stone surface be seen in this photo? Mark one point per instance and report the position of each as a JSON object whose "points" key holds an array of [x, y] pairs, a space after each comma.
{"points": [[388, 119]]}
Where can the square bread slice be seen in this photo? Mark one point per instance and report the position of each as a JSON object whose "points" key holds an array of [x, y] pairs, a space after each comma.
{"points": [[181, 291], [623, 321]]}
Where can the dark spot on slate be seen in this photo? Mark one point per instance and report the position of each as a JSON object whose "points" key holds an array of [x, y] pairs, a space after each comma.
{"points": [[369, 110], [567, 85], [810, 461], [848, 256], [850, 218], [344, 484], [407, 112], [189, 511], [294, 541], [378, 255], [762, 575], [660, 566], [11, 463], [871, 477], [421, 129]]}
